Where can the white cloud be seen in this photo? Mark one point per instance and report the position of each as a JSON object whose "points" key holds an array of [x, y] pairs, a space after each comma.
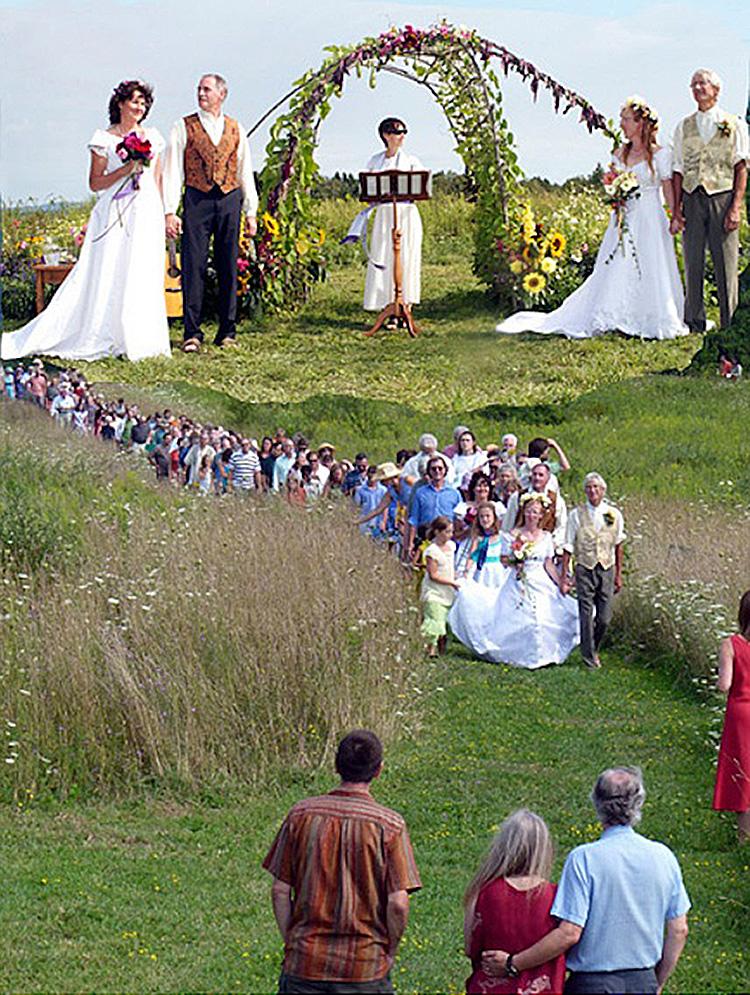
{"points": [[60, 62]]}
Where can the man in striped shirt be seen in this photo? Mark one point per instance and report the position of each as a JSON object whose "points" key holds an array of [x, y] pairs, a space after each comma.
{"points": [[244, 469], [343, 869]]}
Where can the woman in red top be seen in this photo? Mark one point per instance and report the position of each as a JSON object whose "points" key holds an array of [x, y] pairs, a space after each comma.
{"points": [[507, 907], [732, 791]]}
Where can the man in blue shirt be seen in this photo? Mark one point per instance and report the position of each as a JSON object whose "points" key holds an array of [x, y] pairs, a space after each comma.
{"points": [[357, 476], [432, 499], [614, 900]]}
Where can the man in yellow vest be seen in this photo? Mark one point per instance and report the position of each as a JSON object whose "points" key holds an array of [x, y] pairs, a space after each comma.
{"points": [[710, 174], [594, 537], [208, 152]]}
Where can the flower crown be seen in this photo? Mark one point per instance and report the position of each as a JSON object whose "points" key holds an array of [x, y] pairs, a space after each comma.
{"points": [[639, 106], [535, 496]]}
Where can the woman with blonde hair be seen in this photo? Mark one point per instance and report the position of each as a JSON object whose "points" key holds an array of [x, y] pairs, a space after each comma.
{"points": [[635, 285], [507, 907]]}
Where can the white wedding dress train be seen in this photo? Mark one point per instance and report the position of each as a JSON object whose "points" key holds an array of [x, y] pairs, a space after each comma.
{"points": [[525, 622], [634, 288], [112, 302]]}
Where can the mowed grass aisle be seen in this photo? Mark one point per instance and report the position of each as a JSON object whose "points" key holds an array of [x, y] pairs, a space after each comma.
{"points": [[162, 896]]}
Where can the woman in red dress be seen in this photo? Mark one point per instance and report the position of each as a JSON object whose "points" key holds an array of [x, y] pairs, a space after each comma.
{"points": [[507, 907], [732, 791]]}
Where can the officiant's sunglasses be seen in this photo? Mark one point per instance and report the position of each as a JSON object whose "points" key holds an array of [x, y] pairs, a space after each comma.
{"points": [[397, 131]]}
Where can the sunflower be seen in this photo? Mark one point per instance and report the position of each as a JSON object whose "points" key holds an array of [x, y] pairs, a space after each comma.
{"points": [[320, 241], [548, 265], [516, 266], [557, 243], [528, 226], [271, 225], [534, 283], [302, 245]]}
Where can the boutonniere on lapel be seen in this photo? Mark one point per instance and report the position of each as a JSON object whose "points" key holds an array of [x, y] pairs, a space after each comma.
{"points": [[725, 127], [609, 519]]}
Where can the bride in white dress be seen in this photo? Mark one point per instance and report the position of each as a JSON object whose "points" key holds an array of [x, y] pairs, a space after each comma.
{"points": [[379, 279], [635, 286], [524, 620], [112, 302]]}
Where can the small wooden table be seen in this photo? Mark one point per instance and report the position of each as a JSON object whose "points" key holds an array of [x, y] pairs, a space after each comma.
{"points": [[48, 273]]}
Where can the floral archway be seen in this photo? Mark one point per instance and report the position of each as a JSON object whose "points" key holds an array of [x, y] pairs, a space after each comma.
{"points": [[460, 69]]}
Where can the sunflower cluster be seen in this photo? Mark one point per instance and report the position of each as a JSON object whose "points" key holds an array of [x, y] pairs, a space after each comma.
{"points": [[268, 262], [534, 256]]}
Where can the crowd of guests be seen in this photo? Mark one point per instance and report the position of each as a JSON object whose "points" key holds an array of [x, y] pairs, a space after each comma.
{"points": [[396, 501], [488, 522]]}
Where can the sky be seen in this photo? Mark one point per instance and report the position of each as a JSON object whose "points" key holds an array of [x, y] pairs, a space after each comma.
{"points": [[59, 62]]}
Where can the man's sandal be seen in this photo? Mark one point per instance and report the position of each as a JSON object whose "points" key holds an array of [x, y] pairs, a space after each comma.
{"points": [[191, 345]]}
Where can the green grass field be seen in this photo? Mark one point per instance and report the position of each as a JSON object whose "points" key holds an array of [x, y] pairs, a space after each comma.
{"points": [[163, 891], [158, 895]]}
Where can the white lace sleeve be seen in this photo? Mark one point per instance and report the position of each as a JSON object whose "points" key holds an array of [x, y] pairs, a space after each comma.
{"points": [[663, 163], [546, 547], [98, 143], [157, 142]]}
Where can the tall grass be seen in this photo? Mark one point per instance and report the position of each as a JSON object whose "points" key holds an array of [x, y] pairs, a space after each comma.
{"points": [[689, 563], [447, 219], [197, 644]]}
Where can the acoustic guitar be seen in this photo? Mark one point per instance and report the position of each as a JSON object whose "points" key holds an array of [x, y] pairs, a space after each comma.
{"points": [[173, 281]]}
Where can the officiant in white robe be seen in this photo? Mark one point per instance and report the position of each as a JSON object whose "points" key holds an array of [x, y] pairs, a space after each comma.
{"points": [[379, 280]]}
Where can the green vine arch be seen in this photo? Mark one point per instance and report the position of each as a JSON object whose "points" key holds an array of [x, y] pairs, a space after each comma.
{"points": [[462, 71]]}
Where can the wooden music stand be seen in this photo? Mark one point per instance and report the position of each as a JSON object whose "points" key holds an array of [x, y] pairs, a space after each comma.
{"points": [[395, 187]]}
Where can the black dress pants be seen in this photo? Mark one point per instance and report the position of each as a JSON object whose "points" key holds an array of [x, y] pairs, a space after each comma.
{"points": [[209, 214]]}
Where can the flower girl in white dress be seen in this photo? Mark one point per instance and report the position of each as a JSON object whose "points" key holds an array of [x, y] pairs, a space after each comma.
{"points": [[635, 286]]}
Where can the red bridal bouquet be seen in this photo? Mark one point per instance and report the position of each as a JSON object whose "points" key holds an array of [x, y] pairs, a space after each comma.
{"points": [[133, 148]]}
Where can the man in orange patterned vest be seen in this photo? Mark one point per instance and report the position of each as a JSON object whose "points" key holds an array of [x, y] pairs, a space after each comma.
{"points": [[208, 153]]}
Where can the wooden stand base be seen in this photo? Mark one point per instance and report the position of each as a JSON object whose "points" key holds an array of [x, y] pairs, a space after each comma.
{"points": [[396, 313]]}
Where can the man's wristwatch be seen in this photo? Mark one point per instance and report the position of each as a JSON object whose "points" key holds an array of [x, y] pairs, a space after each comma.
{"points": [[511, 971]]}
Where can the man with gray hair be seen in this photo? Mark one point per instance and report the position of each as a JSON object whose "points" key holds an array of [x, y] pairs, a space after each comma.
{"points": [[710, 153], [208, 152], [621, 904], [594, 536], [428, 446]]}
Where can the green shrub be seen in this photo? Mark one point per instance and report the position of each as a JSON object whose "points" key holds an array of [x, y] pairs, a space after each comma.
{"points": [[18, 299]]}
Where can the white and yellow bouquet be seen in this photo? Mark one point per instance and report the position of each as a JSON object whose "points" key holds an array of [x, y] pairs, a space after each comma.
{"points": [[621, 186]]}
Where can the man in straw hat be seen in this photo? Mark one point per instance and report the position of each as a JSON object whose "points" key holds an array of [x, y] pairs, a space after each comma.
{"points": [[385, 476]]}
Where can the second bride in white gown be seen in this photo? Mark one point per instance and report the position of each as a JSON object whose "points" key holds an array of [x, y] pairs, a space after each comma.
{"points": [[635, 286], [112, 303], [523, 619]]}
